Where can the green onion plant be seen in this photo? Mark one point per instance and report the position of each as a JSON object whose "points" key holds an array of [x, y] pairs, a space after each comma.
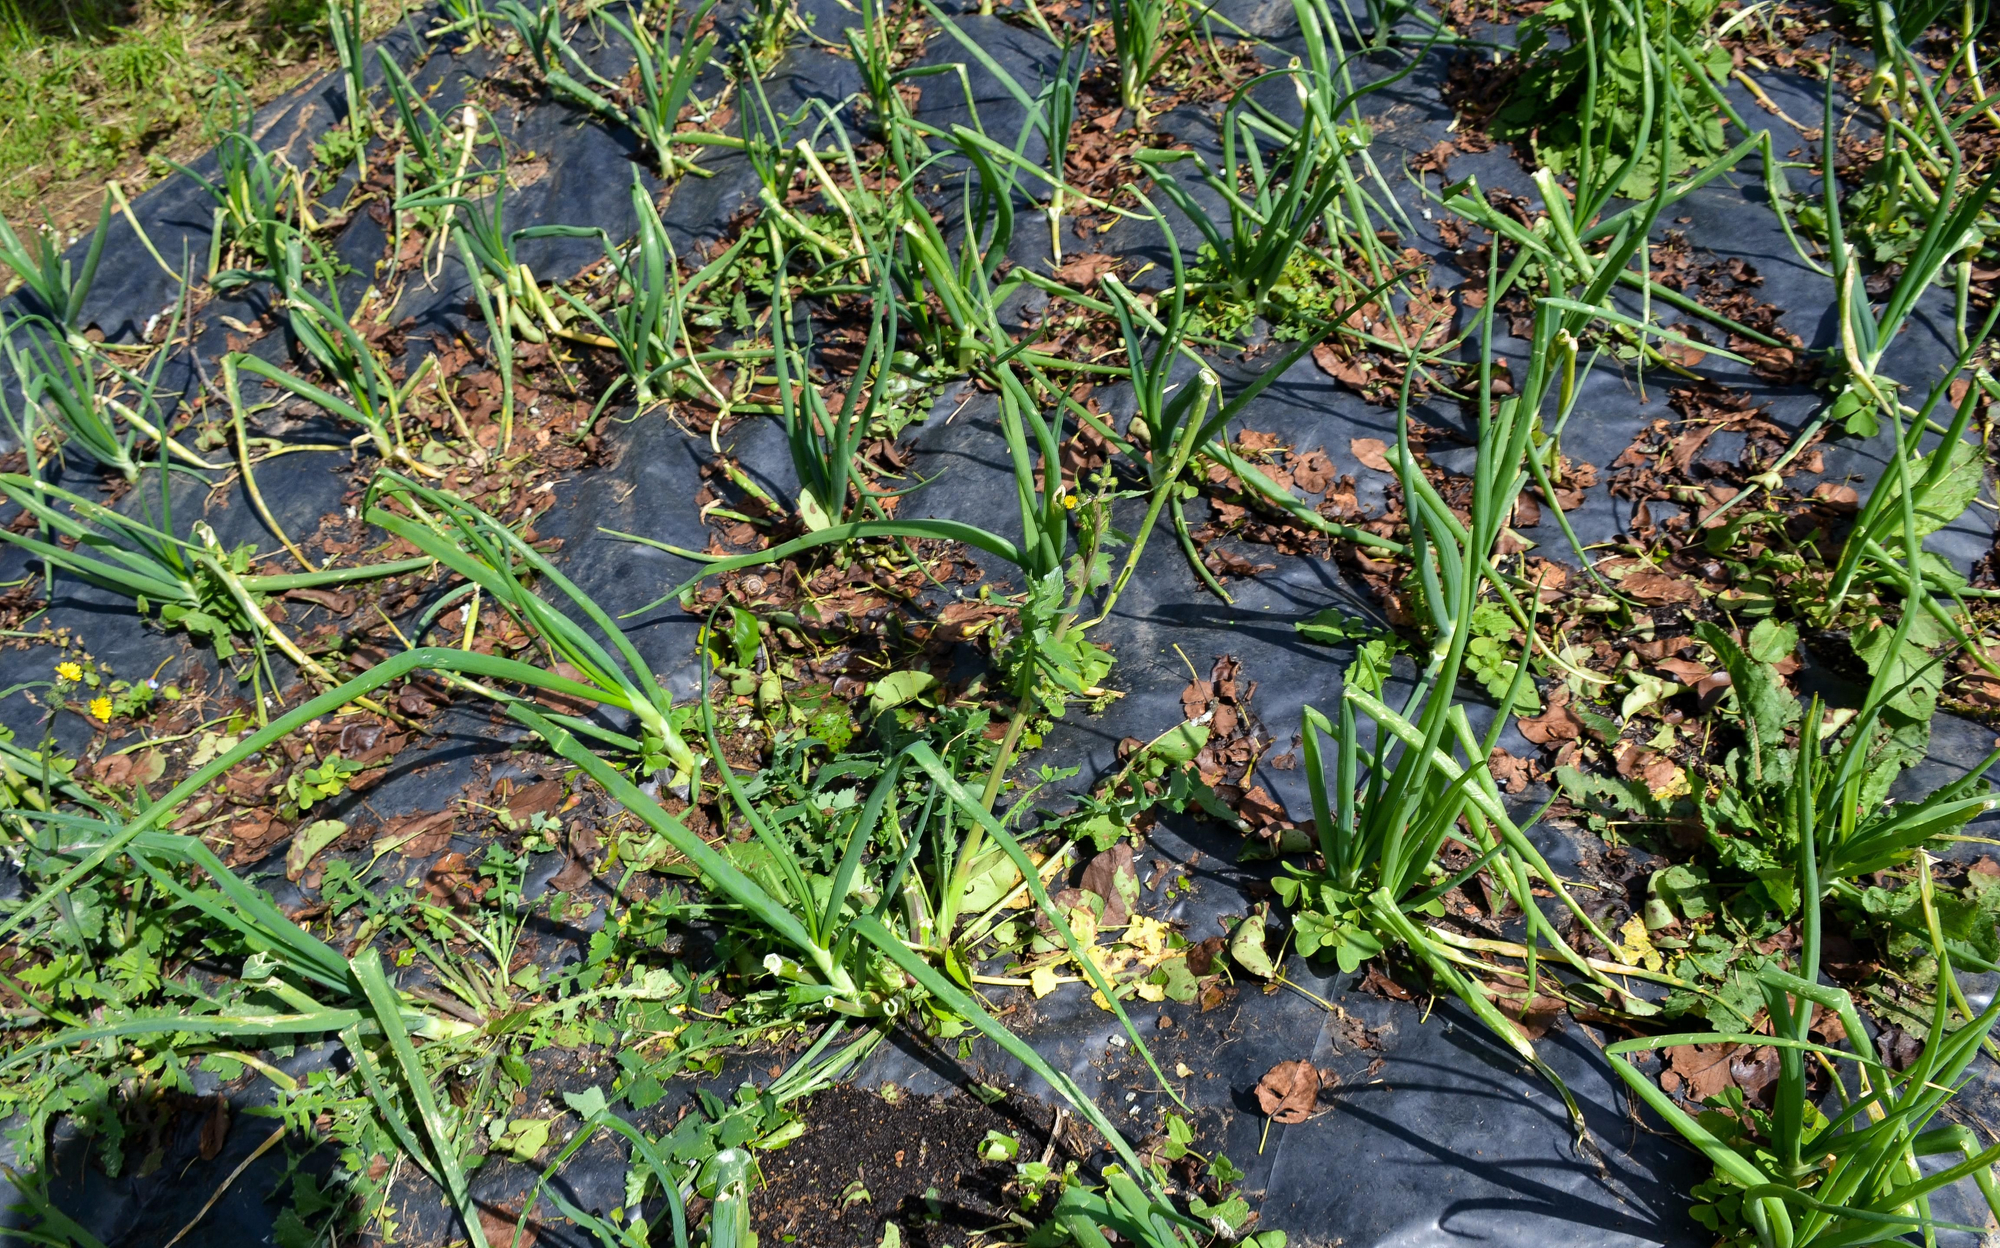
{"points": [[426, 136], [344, 23], [665, 79], [1144, 34], [254, 191], [1050, 110], [1306, 187], [58, 289], [86, 397], [1388, 807], [1951, 211], [488, 554], [824, 442], [370, 397], [191, 584], [645, 322], [466, 17], [66, 388], [875, 42], [518, 299], [1804, 1173]]}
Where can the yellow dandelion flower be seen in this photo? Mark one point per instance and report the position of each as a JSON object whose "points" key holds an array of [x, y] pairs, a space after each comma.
{"points": [[100, 706], [1069, 502], [69, 671]]}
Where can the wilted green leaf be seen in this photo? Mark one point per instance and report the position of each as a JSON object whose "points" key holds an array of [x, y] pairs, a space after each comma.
{"points": [[307, 842], [1246, 946], [1334, 626], [897, 688]]}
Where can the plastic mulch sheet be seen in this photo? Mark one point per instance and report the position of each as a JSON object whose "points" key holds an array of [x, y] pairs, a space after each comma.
{"points": [[1427, 1132]]}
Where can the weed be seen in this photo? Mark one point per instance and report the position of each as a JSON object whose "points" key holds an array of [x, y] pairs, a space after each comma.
{"points": [[1585, 103]]}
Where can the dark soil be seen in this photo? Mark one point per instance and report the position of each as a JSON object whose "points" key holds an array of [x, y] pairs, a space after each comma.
{"points": [[916, 1158]]}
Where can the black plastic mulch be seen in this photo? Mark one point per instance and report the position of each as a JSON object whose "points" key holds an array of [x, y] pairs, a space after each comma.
{"points": [[1431, 1134]]}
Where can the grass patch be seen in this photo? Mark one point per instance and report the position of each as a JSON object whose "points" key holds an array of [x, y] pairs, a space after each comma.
{"points": [[100, 90]]}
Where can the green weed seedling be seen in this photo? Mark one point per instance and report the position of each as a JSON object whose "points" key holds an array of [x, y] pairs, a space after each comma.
{"points": [[708, 1154]]}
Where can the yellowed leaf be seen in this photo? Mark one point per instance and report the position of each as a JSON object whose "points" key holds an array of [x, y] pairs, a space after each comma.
{"points": [[1043, 980], [1635, 946]]}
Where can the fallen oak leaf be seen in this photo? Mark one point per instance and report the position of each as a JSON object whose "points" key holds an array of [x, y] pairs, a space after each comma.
{"points": [[1338, 367], [1657, 588], [1288, 1091], [1313, 472], [417, 835], [1085, 269], [215, 1128], [1372, 452], [1685, 671], [1702, 1069], [1557, 723]]}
